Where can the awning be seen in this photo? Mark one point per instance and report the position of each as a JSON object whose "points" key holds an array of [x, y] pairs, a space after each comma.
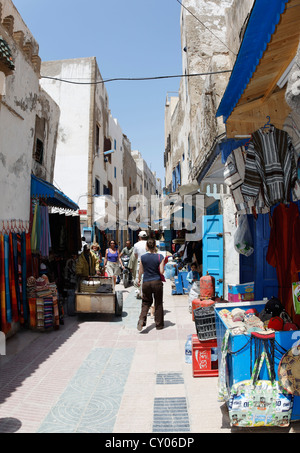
{"points": [[50, 194], [269, 45]]}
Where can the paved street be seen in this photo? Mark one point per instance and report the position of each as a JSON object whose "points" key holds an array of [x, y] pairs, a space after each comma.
{"points": [[98, 374]]}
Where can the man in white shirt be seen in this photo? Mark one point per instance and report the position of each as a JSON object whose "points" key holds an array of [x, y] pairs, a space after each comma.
{"points": [[140, 246], [139, 250]]}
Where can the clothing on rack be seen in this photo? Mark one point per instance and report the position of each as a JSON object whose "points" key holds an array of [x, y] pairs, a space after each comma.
{"points": [[13, 268], [12, 282], [5, 325], [234, 174], [270, 165]]}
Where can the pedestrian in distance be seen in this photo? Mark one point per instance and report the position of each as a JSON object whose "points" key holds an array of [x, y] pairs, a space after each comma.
{"points": [[151, 267], [127, 250], [139, 250], [112, 261]]}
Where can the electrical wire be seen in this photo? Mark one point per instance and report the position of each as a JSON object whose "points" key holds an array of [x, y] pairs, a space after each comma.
{"points": [[206, 27], [135, 78]]}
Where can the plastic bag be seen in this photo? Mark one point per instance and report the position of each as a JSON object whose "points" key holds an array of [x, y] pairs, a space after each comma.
{"points": [[243, 242], [194, 292]]}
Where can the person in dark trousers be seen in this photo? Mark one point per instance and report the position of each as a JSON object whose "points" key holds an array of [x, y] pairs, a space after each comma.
{"points": [[151, 267]]}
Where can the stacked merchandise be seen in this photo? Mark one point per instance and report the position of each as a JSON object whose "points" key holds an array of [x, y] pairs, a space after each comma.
{"points": [[272, 318], [43, 303], [31, 297]]}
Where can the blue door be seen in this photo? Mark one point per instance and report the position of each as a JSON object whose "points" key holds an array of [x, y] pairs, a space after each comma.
{"points": [[212, 227], [255, 267]]}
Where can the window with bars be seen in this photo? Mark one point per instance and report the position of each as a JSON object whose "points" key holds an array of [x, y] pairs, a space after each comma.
{"points": [[38, 151]]}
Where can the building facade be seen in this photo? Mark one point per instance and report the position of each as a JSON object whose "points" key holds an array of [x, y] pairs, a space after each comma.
{"points": [[28, 118]]}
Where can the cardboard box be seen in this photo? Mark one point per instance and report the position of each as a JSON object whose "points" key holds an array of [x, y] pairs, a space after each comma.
{"points": [[241, 293]]}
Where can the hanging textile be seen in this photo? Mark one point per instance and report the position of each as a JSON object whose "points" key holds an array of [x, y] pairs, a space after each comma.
{"points": [[19, 257], [284, 252], [12, 282], [45, 239], [234, 173], [40, 234], [35, 232], [24, 277], [32, 311], [29, 269], [6, 273], [5, 325], [16, 269], [270, 164]]}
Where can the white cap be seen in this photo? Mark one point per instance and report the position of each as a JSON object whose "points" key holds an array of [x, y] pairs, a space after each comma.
{"points": [[142, 234]]}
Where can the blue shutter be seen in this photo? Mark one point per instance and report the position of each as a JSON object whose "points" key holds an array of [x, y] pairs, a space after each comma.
{"points": [[173, 181], [178, 175]]}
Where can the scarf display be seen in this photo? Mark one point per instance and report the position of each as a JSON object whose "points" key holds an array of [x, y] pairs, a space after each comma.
{"points": [[40, 233], [14, 257]]}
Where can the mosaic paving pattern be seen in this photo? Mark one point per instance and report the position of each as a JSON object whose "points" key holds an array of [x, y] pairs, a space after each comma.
{"points": [[169, 378], [91, 402], [170, 415]]}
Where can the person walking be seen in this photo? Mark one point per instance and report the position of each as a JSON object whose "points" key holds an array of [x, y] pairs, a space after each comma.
{"points": [[151, 267], [112, 261], [87, 264], [139, 250]]}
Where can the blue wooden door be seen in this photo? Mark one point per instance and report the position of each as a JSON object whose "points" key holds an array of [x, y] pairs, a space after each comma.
{"points": [[265, 283], [212, 227], [255, 267]]}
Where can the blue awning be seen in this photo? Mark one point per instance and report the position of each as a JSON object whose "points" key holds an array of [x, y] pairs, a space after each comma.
{"points": [[52, 196], [263, 19]]}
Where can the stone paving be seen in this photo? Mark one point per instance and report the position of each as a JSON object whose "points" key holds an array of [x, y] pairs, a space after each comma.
{"points": [[98, 374]]}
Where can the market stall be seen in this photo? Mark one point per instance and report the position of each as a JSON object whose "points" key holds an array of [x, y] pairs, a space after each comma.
{"points": [[257, 348], [245, 332], [55, 240]]}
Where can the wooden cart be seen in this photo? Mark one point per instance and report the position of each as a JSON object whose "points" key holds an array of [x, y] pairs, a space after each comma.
{"points": [[90, 296]]}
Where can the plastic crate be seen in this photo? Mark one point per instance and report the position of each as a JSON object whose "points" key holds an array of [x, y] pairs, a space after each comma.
{"points": [[205, 322]]}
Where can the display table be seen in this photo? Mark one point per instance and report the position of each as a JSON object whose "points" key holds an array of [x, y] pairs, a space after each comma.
{"points": [[238, 364]]}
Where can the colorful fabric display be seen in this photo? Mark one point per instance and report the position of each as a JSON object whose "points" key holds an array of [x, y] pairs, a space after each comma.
{"points": [[40, 313], [12, 283], [32, 312], [48, 312], [6, 273], [5, 325]]}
